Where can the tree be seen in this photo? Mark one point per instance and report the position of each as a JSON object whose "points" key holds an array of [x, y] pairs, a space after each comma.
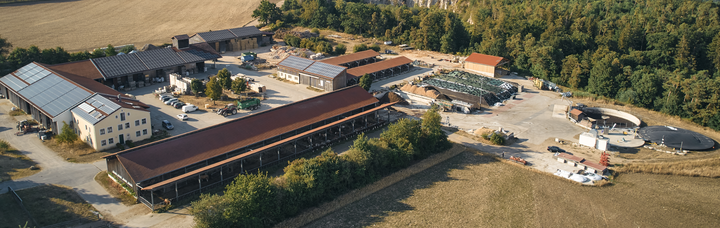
{"points": [[340, 49], [127, 49], [97, 53], [4, 46], [360, 47], [365, 82], [291, 40], [213, 89], [239, 85], [209, 211], [434, 138], [223, 77], [375, 47], [67, 135], [110, 50], [196, 86], [267, 12]]}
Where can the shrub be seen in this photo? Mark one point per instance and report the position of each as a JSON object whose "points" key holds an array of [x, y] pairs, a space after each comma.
{"points": [[315, 30], [120, 146], [497, 139], [375, 47], [130, 143], [485, 136], [4, 146], [340, 49], [360, 47], [17, 112], [67, 135]]}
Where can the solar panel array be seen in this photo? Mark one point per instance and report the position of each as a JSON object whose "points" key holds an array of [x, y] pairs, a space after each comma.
{"points": [[32, 73], [13, 82], [88, 110], [217, 35], [160, 58], [120, 65], [246, 31], [54, 95], [325, 69], [296, 62]]}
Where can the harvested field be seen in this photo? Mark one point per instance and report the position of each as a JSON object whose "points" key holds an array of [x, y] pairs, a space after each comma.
{"points": [[709, 167], [473, 190], [88, 24]]}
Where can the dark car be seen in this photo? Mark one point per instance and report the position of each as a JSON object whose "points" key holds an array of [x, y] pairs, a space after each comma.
{"points": [[166, 98], [178, 105], [167, 125], [555, 149]]}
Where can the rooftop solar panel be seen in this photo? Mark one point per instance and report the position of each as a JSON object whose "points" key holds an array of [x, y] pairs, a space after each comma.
{"points": [[216, 35], [86, 107], [120, 65], [246, 31], [324, 69], [296, 62], [13, 82], [160, 58]]}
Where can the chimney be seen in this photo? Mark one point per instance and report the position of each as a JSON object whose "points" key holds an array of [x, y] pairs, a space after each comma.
{"points": [[119, 99]]}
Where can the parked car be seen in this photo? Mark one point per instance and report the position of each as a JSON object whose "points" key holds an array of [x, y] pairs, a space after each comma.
{"points": [[167, 102], [178, 105], [167, 125], [555, 149], [189, 108], [164, 97], [182, 116], [175, 102]]}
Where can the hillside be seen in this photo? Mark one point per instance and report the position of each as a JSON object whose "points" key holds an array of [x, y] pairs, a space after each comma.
{"points": [[87, 24]]}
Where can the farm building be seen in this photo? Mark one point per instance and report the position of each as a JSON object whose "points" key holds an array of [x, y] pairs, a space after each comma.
{"points": [[379, 70], [472, 90], [486, 65], [184, 166], [581, 163], [50, 93], [354, 60], [312, 73], [235, 39], [104, 120]]}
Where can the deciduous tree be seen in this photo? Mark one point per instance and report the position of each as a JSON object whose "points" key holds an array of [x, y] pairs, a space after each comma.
{"points": [[365, 82], [267, 12], [213, 89]]}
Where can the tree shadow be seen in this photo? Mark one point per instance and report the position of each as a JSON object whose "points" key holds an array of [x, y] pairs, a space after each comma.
{"points": [[381, 204], [14, 161], [30, 2]]}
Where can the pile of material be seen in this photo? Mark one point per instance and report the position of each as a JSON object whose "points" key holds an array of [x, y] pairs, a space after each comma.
{"points": [[280, 52], [390, 97], [422, 91]]}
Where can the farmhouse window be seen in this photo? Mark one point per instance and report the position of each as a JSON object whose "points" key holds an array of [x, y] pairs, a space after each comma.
{"points": [[102, 131]]}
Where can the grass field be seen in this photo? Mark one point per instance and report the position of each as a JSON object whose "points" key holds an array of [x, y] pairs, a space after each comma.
{"points": [[15, 165], [48, 204], [86, 24], [472, 190]]}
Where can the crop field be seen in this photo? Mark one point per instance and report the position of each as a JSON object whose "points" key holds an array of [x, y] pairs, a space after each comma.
{"points": [[473, 190], [78, 25]]}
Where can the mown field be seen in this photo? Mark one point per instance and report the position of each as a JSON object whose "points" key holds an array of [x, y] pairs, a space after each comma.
{"points": [[471, 190], [80, 25]]}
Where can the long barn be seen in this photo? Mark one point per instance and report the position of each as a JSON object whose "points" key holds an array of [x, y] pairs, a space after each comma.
{"points": [[185, 165]]}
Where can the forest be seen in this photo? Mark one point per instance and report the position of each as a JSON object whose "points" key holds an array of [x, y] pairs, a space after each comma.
{"points": [[662, 55]]}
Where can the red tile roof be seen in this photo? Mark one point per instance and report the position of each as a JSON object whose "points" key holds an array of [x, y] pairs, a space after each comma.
{"points": [[576, 112], [82, 68], [150, 160], [351, 57], [237, 157], [596, 166], [484, 59], [567, 156], [378, 66]]}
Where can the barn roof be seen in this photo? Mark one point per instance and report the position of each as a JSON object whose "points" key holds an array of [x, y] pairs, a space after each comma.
{"points": [[164, 156], [351, 57], [567, 156], [378, 66], [226, 34], [596, 166], [119, 65], [489, 60]]}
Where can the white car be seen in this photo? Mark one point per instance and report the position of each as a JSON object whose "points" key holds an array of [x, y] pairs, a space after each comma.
{"points": [[163, 96], [170, 101], [182, 116]]}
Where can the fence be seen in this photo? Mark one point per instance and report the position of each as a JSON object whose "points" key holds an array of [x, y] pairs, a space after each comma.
{"points": [[20, 202]]}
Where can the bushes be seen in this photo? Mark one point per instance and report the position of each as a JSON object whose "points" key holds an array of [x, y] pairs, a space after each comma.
{"points": [[67, 135], [120, 146], [4, 146], [360, 47], [256, 200], [497, 139]]}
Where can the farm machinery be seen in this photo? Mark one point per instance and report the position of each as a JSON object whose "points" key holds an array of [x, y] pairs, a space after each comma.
{"points": [[231, 109]]}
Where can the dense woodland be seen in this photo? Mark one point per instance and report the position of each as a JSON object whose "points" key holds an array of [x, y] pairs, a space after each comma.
{"points": [[662, 55]]}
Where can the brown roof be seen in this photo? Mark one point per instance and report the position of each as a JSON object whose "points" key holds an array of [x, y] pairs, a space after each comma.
{"points": [[594, 165], [351, 57], [567, 156], [82, 68], [378, 66], [489, 60], [164, 156], [576, 112], [237, 157]]}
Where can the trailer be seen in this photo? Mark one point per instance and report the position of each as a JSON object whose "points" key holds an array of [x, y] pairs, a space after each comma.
{"points": [[249, 104]]}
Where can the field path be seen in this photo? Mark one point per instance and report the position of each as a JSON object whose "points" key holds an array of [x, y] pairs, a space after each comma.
{"points": [[88, 24]]}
